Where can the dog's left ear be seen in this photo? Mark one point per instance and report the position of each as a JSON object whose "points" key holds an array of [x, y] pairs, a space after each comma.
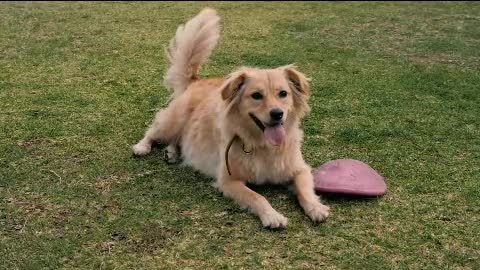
{"points": [[300, 88], [298, 81]]}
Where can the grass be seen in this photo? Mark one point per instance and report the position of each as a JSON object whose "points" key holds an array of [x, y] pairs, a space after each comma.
{"points": [[395, 85]]}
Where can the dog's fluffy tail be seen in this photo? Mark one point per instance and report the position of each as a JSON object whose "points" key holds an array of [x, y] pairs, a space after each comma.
{"points": [[190, 48]]}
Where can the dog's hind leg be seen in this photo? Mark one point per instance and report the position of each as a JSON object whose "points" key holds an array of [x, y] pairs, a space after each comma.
{"points": [[172, 153], [166, 127]]}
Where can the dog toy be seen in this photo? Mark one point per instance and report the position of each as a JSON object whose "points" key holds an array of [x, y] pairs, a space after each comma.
{"points": [[349, 176]]}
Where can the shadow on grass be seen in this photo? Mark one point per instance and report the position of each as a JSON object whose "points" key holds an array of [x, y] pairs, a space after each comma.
{"points": [[194, 187], [340, 197]]}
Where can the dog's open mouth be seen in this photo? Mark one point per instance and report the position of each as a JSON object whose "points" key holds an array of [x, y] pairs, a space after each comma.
{"points": [[273, 132]]}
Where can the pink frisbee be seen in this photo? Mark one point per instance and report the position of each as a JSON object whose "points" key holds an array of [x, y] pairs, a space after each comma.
{"points": [[349, 176]]}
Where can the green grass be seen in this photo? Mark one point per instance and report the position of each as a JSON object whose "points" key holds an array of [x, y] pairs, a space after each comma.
{"points": [[395, 85]]}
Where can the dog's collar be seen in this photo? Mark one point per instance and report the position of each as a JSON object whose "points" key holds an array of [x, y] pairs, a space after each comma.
{"points": [[235, 137], [257, 121]]}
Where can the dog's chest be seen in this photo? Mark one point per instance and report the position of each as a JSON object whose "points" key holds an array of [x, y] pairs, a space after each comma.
{"points": [[270, 168]]}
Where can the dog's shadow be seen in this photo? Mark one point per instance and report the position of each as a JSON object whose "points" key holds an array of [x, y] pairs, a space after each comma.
{"points": [[194, 182], [348, 198], [336, 198], [159, 150]]}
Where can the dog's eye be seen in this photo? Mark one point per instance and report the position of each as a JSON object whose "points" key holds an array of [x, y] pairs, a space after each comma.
{"points": [[282, 94], [257, 95]]}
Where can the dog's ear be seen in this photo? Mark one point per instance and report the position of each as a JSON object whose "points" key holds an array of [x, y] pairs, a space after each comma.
{"points": [[300, 88], [298, 82], [232, 86]]}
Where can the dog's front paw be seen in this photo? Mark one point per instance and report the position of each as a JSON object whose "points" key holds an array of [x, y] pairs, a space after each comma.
{"points": [[317, 211], [273, 219], [141, 149]]}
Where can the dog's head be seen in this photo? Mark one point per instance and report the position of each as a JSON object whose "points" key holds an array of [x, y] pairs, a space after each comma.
{"points": [[267, 103]]}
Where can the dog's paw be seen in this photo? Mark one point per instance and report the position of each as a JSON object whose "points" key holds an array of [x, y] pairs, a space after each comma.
{"points": [[171, 154], [141, 149], [318, 212], [274, 220]]}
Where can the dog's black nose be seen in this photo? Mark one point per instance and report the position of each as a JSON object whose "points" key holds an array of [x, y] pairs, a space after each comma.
{"points": [[276, 114]]}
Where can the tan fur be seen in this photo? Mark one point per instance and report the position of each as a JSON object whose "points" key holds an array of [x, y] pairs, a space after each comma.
{"points": [[207, 113]]}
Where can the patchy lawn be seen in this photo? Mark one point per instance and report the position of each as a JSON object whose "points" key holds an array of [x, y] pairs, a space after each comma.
{"points": [[395, 85]]}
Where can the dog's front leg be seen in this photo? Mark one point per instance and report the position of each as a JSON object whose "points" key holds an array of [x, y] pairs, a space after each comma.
{"points": [[245, 197], [307, 198]]}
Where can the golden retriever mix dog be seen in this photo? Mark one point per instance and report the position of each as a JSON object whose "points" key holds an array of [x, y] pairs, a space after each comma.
{"points": [[240, 129]]}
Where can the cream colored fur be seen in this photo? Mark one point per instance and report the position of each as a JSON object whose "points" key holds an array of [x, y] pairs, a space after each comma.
{"points": [[190, 48], [206, 114]]}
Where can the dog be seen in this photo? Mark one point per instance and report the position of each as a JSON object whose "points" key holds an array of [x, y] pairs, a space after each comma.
{"points": [[244, 128]]}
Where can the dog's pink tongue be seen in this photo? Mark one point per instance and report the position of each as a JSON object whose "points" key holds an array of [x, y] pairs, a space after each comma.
{"points": [[275, 134]]}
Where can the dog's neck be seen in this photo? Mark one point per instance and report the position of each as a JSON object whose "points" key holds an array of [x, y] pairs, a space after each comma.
{"points": [[227, 150], [249, 142], [248, 148]]}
